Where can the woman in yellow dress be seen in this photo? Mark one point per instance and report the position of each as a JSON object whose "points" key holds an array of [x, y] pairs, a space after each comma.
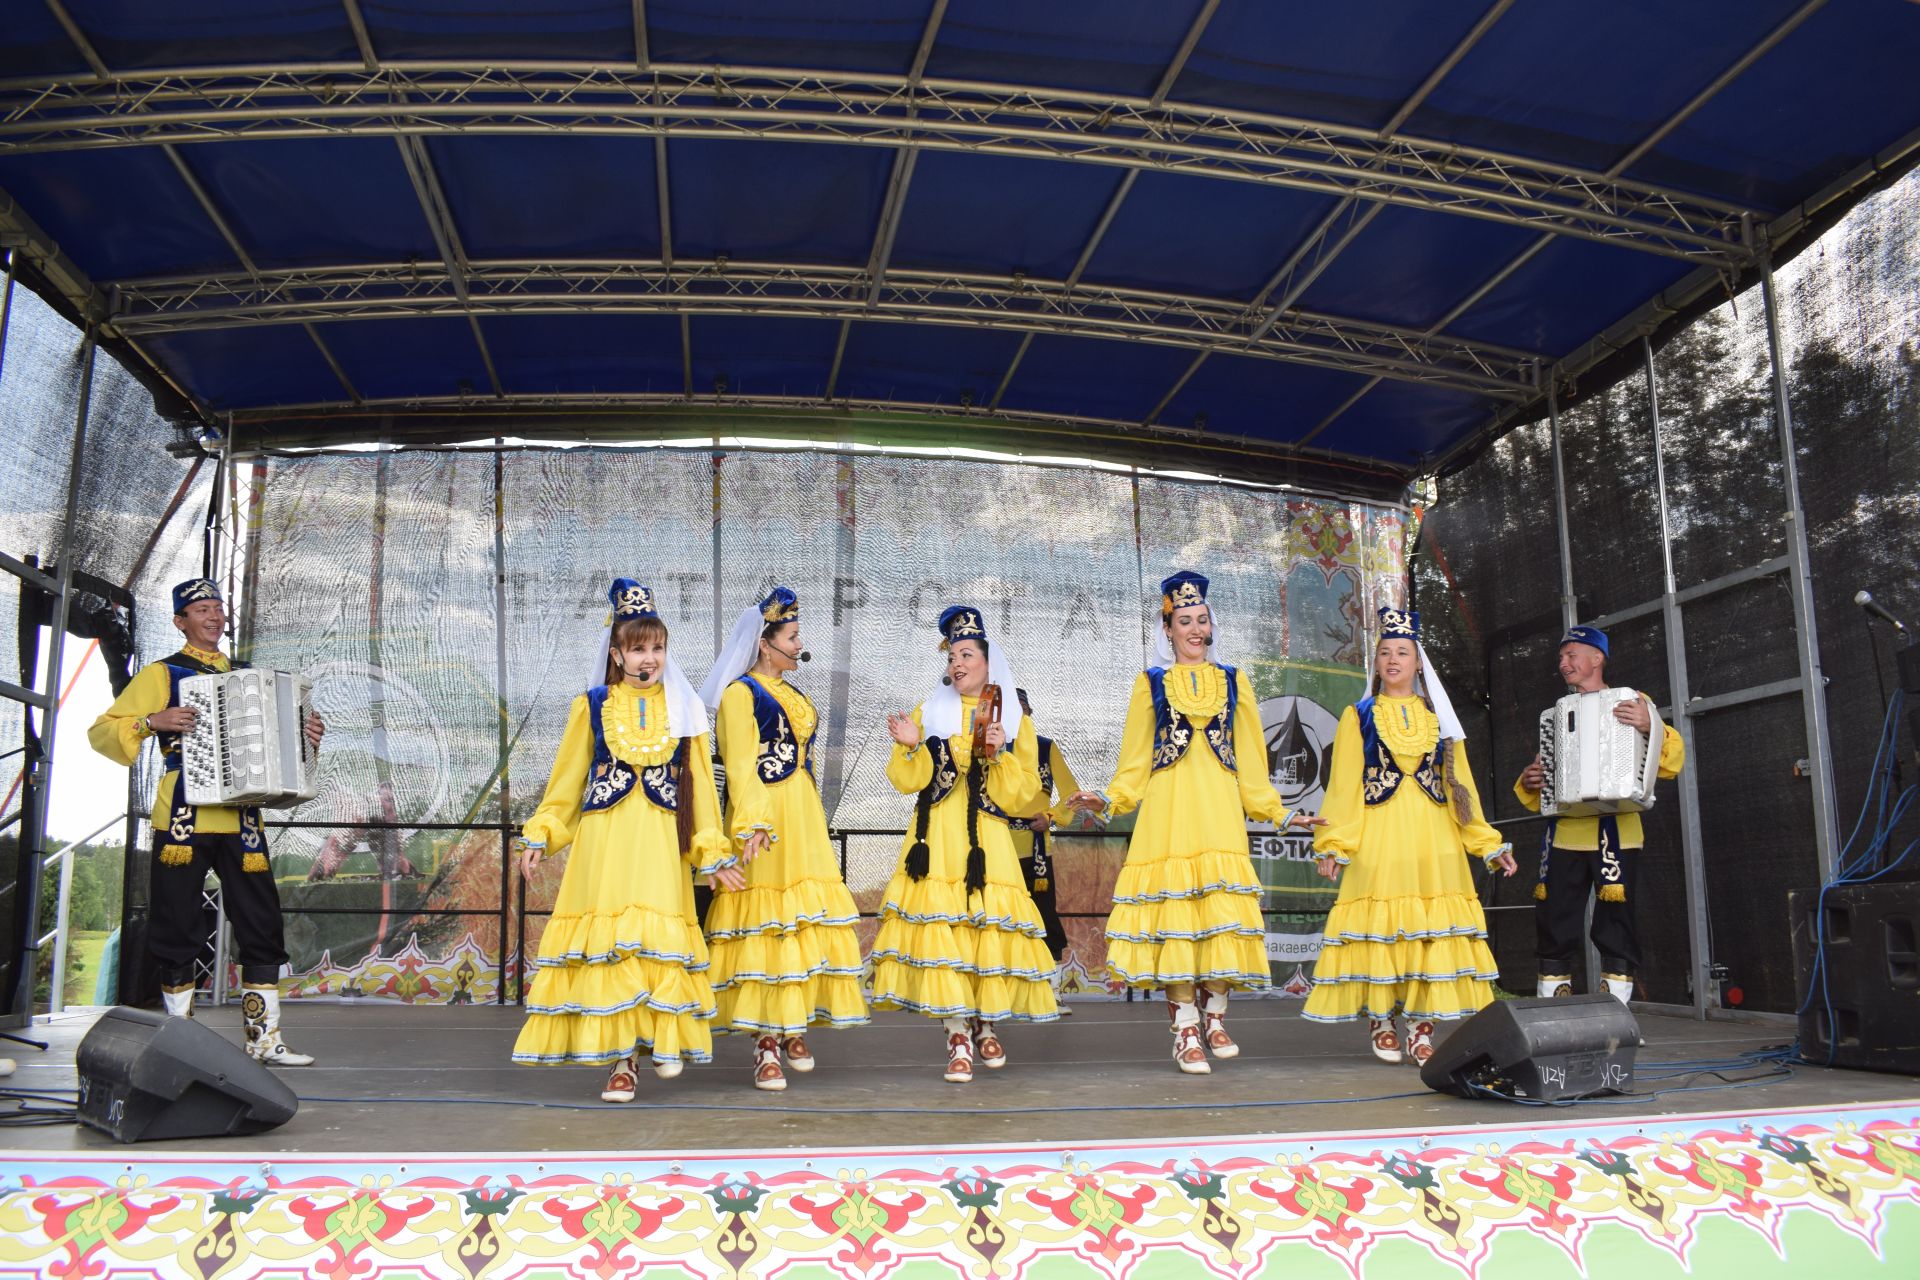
{"points": [[960, 939], [1186, 908], [785, 956], [1406, 937], [622, 968]]}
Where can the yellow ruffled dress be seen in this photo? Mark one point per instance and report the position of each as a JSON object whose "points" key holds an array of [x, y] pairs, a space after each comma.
{"points": [[944, 952], [1186, 907], [622, 967], [785, 954], [1407, 934]]}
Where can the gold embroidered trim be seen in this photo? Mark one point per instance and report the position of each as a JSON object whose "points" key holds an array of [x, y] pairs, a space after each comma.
{"points": [[1405, 725], [254, 862], [212, 657], [1613, 893], [175, 855], [620, 720], [1540, 893], [1199, 691]]}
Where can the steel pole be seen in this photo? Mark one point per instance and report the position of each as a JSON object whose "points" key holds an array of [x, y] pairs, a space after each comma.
{"points": [[1692, 847], [1826, 824]]}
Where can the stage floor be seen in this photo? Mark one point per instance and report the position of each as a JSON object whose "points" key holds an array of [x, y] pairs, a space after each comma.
{"points": [[437, 1080], [420, 1151]]}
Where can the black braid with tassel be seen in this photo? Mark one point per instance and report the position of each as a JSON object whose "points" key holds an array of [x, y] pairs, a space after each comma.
{"points": [[918, 855], [976, 856]]}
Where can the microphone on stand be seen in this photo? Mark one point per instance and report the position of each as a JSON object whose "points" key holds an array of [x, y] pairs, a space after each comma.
{"points": [[1866, 601]]}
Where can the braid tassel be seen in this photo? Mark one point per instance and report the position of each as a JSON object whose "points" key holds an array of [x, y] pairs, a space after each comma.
{"points": [[918, 855], [976, 856]]}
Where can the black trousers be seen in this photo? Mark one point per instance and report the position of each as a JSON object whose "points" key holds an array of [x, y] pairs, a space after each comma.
{"points": [[176, 930], [1609, 876]]}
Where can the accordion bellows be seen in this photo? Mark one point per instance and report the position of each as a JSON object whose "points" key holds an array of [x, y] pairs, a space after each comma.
{"points": [[1595, 764], [249, 747]]}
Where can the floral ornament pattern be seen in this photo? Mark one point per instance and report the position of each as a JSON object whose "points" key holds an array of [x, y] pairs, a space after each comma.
{"points": [[1234, 1207]]}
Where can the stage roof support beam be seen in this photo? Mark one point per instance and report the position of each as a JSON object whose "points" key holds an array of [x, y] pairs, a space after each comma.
{"points": [[1067, 308], [143, 108]]}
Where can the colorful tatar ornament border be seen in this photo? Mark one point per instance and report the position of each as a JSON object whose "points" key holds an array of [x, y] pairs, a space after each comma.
{"points": [[1233, 1208]]}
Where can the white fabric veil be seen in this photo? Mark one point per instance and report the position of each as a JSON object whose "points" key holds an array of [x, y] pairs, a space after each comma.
{"points": [[1163, 644], [737, 656], [686, 714], [1436, 694], [940, 712]]}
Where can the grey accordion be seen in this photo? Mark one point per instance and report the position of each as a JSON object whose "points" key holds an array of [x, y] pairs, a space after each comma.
{"points": [[249, 747], [1595, 764]]}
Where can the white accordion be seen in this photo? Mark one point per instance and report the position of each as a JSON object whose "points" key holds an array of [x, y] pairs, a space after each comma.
{"points": [[250, 745], [1595, 764]]}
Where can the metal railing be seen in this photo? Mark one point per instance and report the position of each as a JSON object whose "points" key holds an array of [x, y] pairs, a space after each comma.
{"points": [[58, 936]]}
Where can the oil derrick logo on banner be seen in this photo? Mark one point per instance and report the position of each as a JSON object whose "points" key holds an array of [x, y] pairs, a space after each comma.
{"points": [[1299, 734], [1294, 898]]}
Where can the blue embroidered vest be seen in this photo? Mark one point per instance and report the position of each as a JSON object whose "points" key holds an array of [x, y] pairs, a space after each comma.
{"points": [[612, 778], [780, 751], [947, 776], [1172, 734], [1383, 773], [1046, 782]]}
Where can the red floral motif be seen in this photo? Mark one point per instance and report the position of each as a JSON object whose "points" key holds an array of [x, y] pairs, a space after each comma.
{"points": [[1333, 1206], [863, 1220], [1103, 1212], [1736, 1177], [352, 1223], [1325, 531], [81, 1227], [610, 1224], [1881, 1152], [1544, 1191]]}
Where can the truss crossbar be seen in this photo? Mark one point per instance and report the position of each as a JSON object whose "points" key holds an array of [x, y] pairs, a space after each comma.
{"points": [[150, 109], [498, 288]]}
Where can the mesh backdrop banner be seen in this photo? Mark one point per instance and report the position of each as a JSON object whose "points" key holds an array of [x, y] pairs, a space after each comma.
{"points": [[448, 607]]}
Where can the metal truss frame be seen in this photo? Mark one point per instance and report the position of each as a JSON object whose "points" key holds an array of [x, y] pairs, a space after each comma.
{"points": [[716, 287], [666, 417], [208, 104]]}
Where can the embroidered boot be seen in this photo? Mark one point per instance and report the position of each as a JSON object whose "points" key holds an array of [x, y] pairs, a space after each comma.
{"points": [[986, 1044], [1213, 1011], [1420, 1042], [959, 1051], [1555, 986], [178, 1000], [1189, 1049], [1386, 1039], [799, 1056], [622, 1080], [1618, 985], [260, 1006], [767, 1073]]}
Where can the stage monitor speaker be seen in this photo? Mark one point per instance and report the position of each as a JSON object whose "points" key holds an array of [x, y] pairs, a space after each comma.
{"points": [[145, 1076], [1867, 1014], [1540, 1050]]}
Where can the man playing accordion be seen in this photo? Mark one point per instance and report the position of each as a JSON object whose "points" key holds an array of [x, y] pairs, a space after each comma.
{"points": [[188, 839], [1596, 855]]}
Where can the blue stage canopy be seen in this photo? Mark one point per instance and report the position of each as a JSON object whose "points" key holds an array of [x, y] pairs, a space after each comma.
{"points": [[1363, 234]]}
